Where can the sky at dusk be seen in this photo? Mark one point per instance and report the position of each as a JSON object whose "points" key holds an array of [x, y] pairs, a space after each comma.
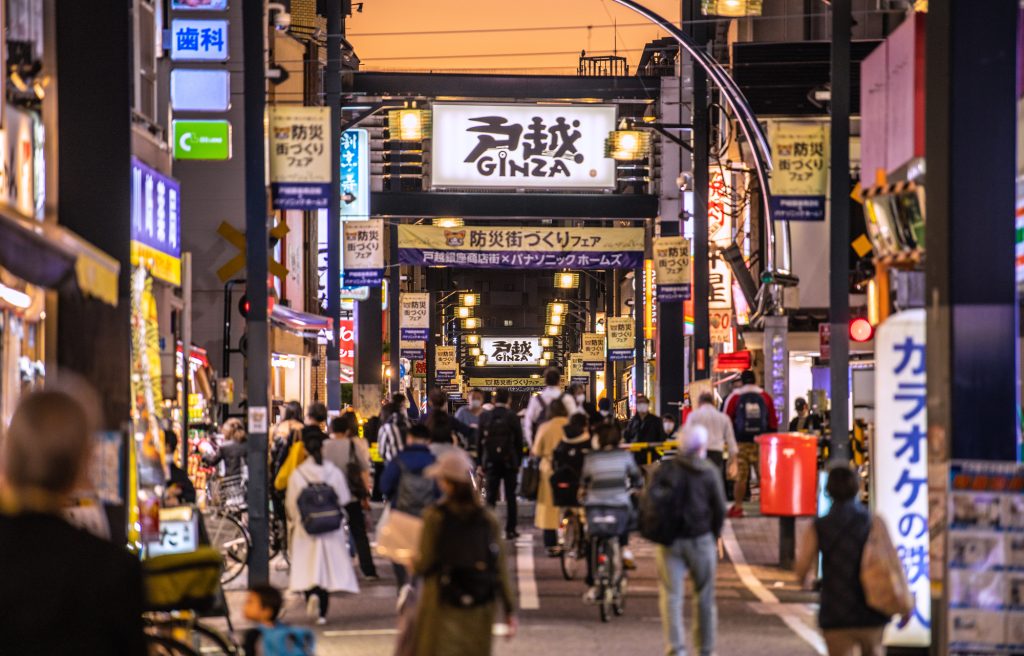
{"points": [[506, 36]]}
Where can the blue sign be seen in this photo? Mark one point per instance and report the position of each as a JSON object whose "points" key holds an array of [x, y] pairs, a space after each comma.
{"points": [[199, 40], [798, 208], [415, 334], [156, 223], [673, 293], [355, 174], [620, 355], [413, 354]]}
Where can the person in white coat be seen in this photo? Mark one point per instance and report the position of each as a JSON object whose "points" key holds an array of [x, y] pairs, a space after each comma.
{"points": [[320, 563]]}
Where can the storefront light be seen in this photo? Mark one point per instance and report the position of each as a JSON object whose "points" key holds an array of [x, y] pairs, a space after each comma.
{"points": [[547, 342], [628, 145], [552, 331], [410, 124], [469, 300], [447, 222], [731, 8], [472, 339], [475, 351], [472, 323], [567, 280]]}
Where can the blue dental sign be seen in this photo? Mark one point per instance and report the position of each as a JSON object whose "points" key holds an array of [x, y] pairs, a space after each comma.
{"points": [[199, 40]]}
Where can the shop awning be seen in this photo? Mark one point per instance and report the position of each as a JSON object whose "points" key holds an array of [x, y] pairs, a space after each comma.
{"points": [[47, 255], [302, 323]]}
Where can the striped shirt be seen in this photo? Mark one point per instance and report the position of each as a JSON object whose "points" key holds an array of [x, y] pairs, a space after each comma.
{"points": [[605, 476], [389, 440]]}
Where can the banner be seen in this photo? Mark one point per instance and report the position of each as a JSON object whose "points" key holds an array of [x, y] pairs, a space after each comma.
{"points": [[412, 350], [522, 146], [517, 384], [592, 348], [348, 350], [621, 338], [300, 157], [446, 366], [720, 213], [511, 351], [536, 247], [355, 174], [576, 374], [800, 176], [672, 268], [414, 317], [900, 461], [364, 252], [156, 223]]}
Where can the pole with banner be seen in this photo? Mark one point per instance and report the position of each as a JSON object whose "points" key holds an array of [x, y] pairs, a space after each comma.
{"points": [[300, 157], [672, 268], [621, 339], [364, 253], [592, 349], [414, 320]]}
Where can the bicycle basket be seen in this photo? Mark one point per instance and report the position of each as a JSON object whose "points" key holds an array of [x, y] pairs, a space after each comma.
{"points": [[185, 581], [607, 521], [228, 492]]}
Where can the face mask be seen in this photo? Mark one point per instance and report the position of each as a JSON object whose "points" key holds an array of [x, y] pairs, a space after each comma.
{"points": [[669, 426], [475, 403], [642, 408], [606, 413], [580, 398]]}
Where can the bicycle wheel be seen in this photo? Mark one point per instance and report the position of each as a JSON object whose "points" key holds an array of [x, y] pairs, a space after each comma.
{"points": [[205, 640], [162, 646], [231, 538], [605, 571], [572, 551]]}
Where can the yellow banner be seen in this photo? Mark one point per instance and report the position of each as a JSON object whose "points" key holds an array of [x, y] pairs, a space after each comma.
{"points": [[620, 333], [575, 366], [444, 359], [160, 265], [672, 260], [800, 153], [492, 383], [592, 347], [299, 145]]}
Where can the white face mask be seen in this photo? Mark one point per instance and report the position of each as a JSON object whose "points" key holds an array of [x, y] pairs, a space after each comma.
{"points": [[475, 403], [642, 408], [669, 426], [580, 398]]}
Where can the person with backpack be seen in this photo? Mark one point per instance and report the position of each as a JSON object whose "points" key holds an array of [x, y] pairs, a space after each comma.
{"points": [[394, 425], [848, 621], [463, 568], [406, 487], [567, 462], [549, 435], [271, 636], [317, 493], [537, 408], [752, 413], [683, 512], [501, 453], [349, 453]]}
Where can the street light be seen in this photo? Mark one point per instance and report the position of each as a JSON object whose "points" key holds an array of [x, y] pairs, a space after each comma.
{"points": [[567, 280], [553, 331], [547, 342], [556, 308], [469, 299], [409, 124], [472, 323], [472, 340], [555, 320], [547, 355], [481, 360], [628, 145], [447, 222], [475, 351], [464, 312]]}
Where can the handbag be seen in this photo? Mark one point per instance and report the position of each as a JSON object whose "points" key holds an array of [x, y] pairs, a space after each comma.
{"points": [[398, 536], [531, 480], [881, 574]]}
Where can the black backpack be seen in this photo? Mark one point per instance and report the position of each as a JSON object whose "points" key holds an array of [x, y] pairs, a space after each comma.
{"points": [[751, 415], [415, 491], [498, 438], [468, 564], [567, 462], [319, 507], [661, 516]]}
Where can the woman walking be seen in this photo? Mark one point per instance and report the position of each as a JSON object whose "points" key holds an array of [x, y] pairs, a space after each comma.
{"points": [[320, 563], [232, 450], [462, 562], [549, 436]]}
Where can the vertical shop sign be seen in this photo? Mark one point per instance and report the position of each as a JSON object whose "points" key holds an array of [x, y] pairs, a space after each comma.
{"points": [[900, 461], [720, 213], [348, 349], [592, 347], [414, 322], [199, 40], [800, 180], [721, 326], [300, 157], [1020, 235], [156, 223], [576, 374], [776, 366], [355, 174], [672, 268], [446, 366], [621, 339], [364, 252], [199, 5]]}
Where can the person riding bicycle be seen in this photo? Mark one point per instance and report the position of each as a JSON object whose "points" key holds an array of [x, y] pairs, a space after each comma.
{"points": [[608, 474]]}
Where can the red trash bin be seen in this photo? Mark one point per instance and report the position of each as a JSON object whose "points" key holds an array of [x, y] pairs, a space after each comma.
{"points": [[789, 474]]}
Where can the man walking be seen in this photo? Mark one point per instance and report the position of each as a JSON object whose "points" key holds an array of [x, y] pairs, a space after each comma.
{"points": [[537, 409], [752, 412], [643, 426], [698, 515], [721, 435], [393, 428], [470, 416], [501, 450]]}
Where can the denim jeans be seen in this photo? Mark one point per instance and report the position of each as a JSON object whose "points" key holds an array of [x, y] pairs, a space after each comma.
{"points": [[700, 557]]}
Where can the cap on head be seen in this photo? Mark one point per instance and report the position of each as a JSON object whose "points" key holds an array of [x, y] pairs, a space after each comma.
{"points": [[452, 465], [800, 403]]}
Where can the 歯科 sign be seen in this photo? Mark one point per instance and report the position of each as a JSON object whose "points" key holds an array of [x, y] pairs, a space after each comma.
{"points": [[194, 39], [522, 146], [156, 223], [800, 174], [592, 348], [900, 461], [446, 366], [355, 174], [534, 247], [209, 140], [300, 157], [363, 252], [511, 351], [621, 338], [576, 374], [414, 318], [672, 268], [200, 90]]}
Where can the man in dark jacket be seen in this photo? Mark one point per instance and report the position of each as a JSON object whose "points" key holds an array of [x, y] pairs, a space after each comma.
{"points": [[410, 463], [501, 450], [644, 426], [695, 547]]}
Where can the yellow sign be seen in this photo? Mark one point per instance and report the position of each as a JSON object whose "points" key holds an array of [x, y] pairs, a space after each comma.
{"points": [[672, 267], [592, 348], [299, 144], [444, 359], [494, 383], [576, 374], [800, 152], [621, 338], [161, 265]]}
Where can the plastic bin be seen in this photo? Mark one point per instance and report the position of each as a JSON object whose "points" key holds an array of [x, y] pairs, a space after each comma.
{"points": [[789, 474]]}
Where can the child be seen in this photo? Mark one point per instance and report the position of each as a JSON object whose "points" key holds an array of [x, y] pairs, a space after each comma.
{"points": [[270, 637]]}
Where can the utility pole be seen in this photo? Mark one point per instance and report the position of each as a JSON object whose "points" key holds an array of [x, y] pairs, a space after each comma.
{"points": [[701, 182], [257, 250], [394, 312], [839, 240], [332, 88]]}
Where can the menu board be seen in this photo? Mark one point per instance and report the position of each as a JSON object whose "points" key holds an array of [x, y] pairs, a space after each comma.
{"points": [[985, 558]]}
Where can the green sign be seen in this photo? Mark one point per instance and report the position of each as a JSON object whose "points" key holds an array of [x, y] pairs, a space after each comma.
{"points": [[209, 140]]}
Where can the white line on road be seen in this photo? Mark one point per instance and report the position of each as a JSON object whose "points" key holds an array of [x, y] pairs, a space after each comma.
{"points": [[789, 616], [360, 633], [528, 597]]}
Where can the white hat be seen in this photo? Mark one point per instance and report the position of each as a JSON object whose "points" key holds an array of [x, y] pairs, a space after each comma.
{"points": [[694, 440]]}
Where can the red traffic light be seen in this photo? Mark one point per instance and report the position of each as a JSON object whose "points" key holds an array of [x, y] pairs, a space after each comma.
{"points": [[861, 330], [243, 306]]}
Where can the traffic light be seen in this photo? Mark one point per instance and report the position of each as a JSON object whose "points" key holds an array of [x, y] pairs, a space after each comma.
{"points": [[861, 330], [243, 306]]}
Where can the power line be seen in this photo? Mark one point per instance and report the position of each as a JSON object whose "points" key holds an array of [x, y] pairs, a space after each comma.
{"points": [[491, 30], [501, 54]]}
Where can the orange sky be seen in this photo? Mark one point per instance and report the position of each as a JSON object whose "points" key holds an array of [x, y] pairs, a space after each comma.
{"points": [[443, 34]]}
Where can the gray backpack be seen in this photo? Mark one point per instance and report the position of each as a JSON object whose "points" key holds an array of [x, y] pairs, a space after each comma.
{"points": [[415, 491]]}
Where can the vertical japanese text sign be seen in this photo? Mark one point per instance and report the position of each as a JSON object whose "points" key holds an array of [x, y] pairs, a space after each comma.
{"points": [[720, 213], [800, 178], [414, 321], [355, 174], [364, 252], [156, 224], [900, 459], [300, 159], [576, 375], [592, 347], [672, 268], [621, 339], [446, 366]]}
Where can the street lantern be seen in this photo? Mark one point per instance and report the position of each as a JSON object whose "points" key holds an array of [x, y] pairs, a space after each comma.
{"points": [[447, 222], [731, 8], [567, 280], [475, 351], [481, 360], [547, 342], [469, 299], [547, 355], [409, 124], [628, 145], [552, 331], [472, 340], [555, 320], [471, 323], [542, 362], [556, 308], [464, 312]]}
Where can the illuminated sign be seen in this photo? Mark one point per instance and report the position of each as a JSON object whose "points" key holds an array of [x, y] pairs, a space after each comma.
{"points": [[511, 351]]}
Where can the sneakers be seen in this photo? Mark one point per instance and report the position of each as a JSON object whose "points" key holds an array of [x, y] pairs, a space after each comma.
{"points": [[628, 560], [590, 596], [735, 512], [403, 596], [371, 578], [313, 607], [320, 621]]}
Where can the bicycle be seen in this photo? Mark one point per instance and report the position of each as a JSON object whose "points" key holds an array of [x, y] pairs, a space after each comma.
{"points": [[575, 544], [182, 633], [606, 524]]}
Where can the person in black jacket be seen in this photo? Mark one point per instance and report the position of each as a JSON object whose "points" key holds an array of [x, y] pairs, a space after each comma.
{"points": [[695, 548], [232, 451], [501, 453], [63, 589], [644, 426]]}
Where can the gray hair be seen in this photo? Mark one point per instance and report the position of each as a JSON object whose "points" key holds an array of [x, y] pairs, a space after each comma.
{"points": [[694, 441]]}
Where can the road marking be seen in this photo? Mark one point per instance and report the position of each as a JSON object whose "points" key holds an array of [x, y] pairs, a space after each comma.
{"points": [[360, 633], [525, 575], [790, 616]]}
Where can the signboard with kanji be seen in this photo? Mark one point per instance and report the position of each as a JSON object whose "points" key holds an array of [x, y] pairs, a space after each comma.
{"points": [[446, 366], [511, 351], [720, 213], [414, 317], [363, 253], [156, 223], [355, 174], [721, 326], [621, 338], [800, 176], [672, 268], [199, 40], [512, 384], [592, 348], [576, 374], [300, 157]]}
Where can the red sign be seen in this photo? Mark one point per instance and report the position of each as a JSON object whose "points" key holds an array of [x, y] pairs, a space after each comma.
{"points": [[738, 361], [348, 342], [825, 340]]}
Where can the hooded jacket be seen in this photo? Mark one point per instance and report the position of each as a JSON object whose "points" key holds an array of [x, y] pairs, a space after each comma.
{"points": [[703, 509]]}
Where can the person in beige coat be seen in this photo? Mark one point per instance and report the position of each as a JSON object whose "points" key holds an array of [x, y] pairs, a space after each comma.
{"points": [[549, 435]]}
